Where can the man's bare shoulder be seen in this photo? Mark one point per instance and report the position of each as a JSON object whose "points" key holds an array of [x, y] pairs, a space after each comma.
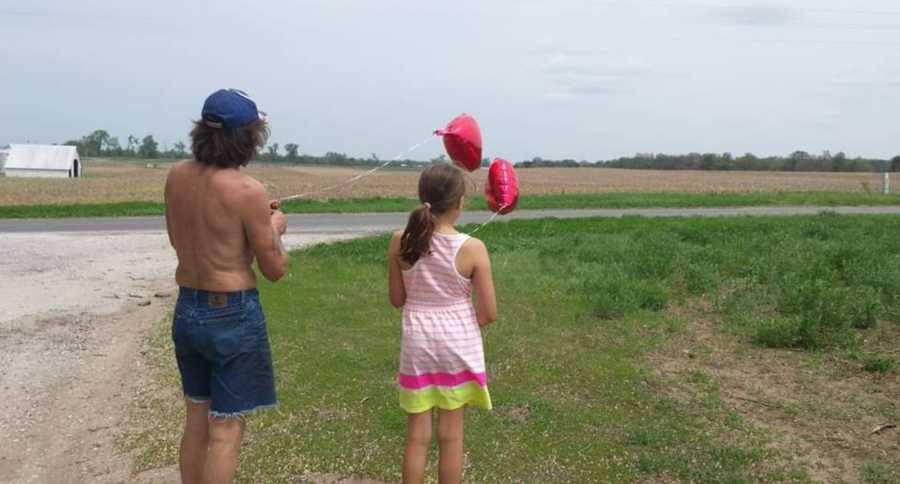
{"points": [[181, 165], [180, 169], [239, 181], [240, 187]]}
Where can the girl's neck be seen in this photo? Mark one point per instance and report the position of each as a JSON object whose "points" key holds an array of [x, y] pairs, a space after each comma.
{"points": [[444, 225]]}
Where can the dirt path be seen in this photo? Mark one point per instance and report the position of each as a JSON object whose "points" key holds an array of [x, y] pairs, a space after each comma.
{"points": [[75, 313]]}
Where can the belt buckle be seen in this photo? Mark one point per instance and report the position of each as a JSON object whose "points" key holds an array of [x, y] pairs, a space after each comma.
{"points": [[218, 300]]}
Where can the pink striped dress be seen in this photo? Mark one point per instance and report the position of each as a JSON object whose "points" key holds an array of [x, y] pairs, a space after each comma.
{"points": [[442, 354]]}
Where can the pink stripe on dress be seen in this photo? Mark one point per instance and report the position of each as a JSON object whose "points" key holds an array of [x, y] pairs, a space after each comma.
{"points": [[416, 382]]}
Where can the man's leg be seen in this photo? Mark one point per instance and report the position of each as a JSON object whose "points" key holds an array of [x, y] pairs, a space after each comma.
{"points": [[242, 381], [450, 443], [192, 455], [224, 444], [418, 438]]}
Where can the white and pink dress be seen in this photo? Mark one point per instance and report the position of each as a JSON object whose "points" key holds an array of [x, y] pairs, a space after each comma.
{"points": [[442, 353]]}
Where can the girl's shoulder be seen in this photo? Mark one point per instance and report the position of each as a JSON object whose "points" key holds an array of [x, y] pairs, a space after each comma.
{"points": [[396, 238], [473, 245]]}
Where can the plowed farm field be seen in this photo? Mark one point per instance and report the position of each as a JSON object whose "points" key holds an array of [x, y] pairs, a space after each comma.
{"points": [[109, 182]]}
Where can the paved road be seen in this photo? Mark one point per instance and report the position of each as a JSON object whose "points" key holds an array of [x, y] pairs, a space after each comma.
{"points": [[380, 222]]}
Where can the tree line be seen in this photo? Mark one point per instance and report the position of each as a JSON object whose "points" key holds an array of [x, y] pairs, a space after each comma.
{"points": [[796, 161], [100, 143]]}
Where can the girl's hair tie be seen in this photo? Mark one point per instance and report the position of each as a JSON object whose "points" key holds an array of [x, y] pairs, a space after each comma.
{"points": [[427, 205]]}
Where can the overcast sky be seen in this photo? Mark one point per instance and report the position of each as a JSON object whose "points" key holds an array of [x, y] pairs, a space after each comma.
{"points": [[553, 78]]}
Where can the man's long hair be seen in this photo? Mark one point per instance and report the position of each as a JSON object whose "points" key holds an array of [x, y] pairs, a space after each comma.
{"points": [[228, 147]]}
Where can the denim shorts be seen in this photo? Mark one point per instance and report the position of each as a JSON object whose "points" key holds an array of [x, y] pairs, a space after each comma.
{"points": [[222, 348]]}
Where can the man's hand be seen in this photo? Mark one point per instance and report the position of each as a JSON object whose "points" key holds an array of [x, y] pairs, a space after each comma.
{"points": [[279, 222]]}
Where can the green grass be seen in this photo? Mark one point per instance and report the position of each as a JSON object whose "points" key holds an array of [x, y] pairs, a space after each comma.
{"points": [[875, 364], [123, 209], [878, 473], [400, 204], [581, 303]]}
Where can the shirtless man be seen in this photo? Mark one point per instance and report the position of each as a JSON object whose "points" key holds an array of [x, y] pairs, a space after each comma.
{"points": [[219, 220]]}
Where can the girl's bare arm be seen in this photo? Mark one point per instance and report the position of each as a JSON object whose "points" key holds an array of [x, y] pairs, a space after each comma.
{"points": [[483, 282], [396, 291]]}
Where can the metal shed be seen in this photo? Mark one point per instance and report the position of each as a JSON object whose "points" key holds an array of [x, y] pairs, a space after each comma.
{"points": [[43, 161]]}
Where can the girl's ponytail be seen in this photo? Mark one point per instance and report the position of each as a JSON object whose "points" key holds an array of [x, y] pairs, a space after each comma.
{"points": [[416, 240], [441, 188]]}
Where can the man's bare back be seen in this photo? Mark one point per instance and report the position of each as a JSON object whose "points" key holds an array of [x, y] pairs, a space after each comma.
{"points": [[218, 220]]}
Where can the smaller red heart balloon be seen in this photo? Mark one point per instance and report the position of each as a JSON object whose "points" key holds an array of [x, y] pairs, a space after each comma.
{"points": [[502, 188], [462, 140]]}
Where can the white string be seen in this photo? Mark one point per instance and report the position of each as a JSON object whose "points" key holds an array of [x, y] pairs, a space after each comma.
{"points": [[373, 170], [357, 177], [489, 220]]}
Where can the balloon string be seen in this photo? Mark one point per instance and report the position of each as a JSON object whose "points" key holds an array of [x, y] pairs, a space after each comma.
{"points": [[357, 177], [489, 220]]}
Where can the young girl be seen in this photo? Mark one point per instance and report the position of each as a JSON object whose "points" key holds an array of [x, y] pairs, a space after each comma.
{"points": [[432, 272]]}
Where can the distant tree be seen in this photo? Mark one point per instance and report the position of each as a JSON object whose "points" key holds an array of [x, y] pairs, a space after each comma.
{"points": [[334, 158], [149, 147], [709, 161], [94, 143], [748, 161], [273, 152], [796, 159], [179, 149], [113, 148], [839, 161], [133, 143], [895, 163], [291, 149]]}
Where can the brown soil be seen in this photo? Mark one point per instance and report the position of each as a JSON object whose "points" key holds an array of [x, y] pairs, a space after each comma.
{"points": [[107, 182], [818, 410], [69, 379]]}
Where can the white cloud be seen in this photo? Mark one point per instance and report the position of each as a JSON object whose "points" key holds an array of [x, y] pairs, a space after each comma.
{"points": [[756, 15], [571, 73]]}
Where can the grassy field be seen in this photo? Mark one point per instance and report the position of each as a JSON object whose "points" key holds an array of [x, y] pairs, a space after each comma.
{"points": [[534, 202], [632, 350]]}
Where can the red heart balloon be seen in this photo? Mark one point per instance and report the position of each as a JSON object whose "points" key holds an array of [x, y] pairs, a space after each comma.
{"points": [[462, 140], [502, 188]]}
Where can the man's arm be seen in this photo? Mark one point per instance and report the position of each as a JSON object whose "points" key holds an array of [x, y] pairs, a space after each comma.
{"points": [[168, 197], [264, 228]]}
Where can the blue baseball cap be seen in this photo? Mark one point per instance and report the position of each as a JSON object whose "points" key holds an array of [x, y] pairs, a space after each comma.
{"points": [[230, 108]]}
